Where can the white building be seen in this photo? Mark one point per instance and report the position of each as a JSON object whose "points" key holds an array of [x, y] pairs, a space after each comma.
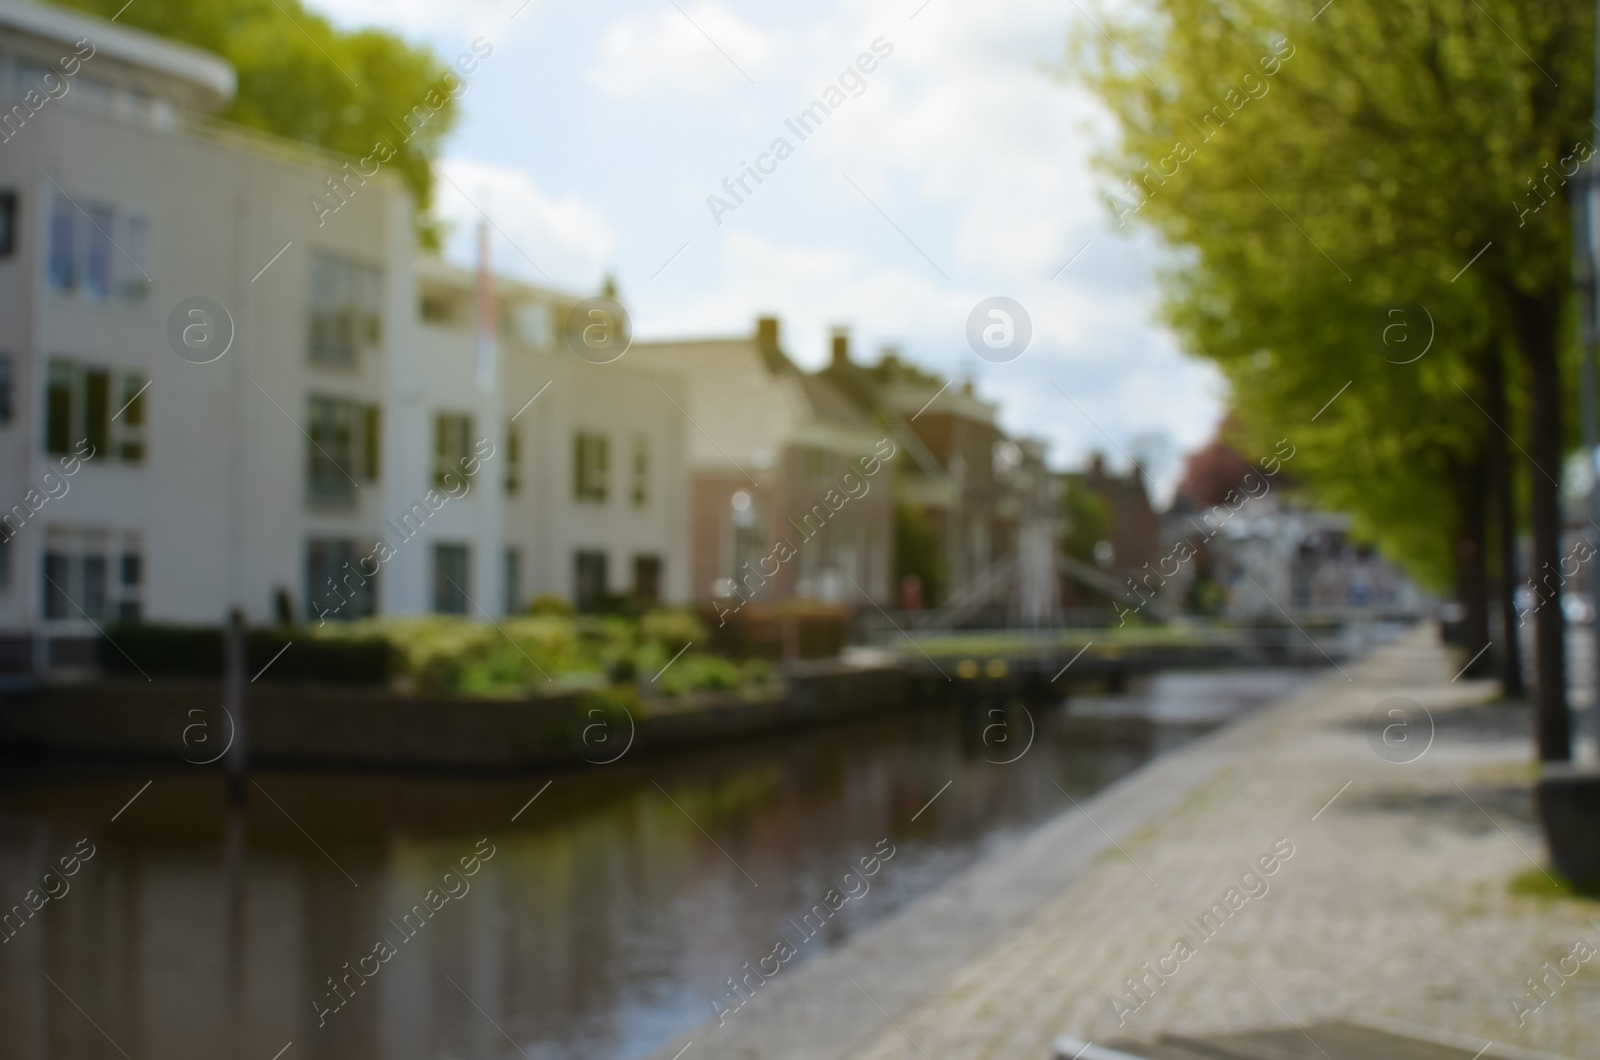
{"points": [[250, 448]]}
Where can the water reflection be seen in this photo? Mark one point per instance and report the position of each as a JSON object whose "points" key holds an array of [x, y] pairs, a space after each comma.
{"points": [[607, 917]]}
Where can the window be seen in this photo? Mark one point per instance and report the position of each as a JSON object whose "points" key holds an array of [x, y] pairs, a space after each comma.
{"points": [[129, 433], [438, 309], [589, 472], [336, 587], [6, 407], [131, 577], [450, 579], [641, 472], [8, 223], [589, 579], [532, 321], [346, 300], [513, 601], [57, 576], [452, 444], [106, 408], [819, 466], [343, 448], [92, 573], [97, 252], [647, 578], [513, 461]]}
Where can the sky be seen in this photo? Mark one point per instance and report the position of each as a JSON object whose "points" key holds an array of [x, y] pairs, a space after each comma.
{"points": [[957, 170]]}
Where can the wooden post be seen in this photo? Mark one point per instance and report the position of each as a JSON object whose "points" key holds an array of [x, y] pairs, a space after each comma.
{"points": [[233, 692]]}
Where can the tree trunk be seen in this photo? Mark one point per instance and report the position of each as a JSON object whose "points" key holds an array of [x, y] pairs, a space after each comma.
{"points": [[1538, 322], [1472, 571], [1497, 455]]}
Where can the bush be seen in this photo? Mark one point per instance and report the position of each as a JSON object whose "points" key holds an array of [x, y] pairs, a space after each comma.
{"points": [[197, 651], [551, 604], [672, 629]]}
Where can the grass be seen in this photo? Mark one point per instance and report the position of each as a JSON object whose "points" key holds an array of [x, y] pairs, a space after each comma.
{"points": [[1552, 887]]}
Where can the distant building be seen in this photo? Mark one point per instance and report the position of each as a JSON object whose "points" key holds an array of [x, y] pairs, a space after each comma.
{"points": [[1133, 536], [595, 477], [1263, 551], [792, 482], [256, 450], [988, 500]]}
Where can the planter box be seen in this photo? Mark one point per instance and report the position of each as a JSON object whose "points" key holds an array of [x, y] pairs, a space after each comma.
{"points": [[1569, 810]]}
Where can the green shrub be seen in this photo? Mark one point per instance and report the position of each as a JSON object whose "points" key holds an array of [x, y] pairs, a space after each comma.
{"points": [[672, 629]]}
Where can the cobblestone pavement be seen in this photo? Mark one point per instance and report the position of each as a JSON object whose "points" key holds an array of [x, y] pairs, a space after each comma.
{"points": [[1395, 905]]}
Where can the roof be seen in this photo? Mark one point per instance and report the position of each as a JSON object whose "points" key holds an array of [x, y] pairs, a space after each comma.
{"points": [[213, 76], [748, 400]]}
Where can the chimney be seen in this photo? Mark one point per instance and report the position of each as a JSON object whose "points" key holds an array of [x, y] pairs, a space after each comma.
{"points": [[841, 347], [767, 334]]}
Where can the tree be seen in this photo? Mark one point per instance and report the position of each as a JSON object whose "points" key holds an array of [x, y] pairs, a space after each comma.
{"points": [[918, 553], [301, 79], [1371, 161]]}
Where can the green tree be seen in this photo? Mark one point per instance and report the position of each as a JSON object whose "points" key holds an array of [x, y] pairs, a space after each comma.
{"points": [[918, 552], [302, 79], [1089, 521], [1319, 174]]}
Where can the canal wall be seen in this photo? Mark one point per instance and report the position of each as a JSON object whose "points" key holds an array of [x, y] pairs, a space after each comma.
{"points": [[339, 726]]}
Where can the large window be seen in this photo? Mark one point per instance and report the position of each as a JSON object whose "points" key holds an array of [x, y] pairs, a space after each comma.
{"points": [[8, 223], [589, 579], [641, 472], [513, 600], [342, 450], [92, 574], [819, 467], [513, 461], [106, 408], [7, 405], [452, 444], [451, 579], [336, 587], [590, 469], [97, 252], [346, 303], [647, 578]]}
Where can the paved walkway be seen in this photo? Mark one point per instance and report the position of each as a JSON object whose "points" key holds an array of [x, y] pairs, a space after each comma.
{"points": [[1395, 905]]}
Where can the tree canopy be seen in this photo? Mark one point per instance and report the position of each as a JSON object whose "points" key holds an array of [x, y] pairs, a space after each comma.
{"points": [[1326, 183], [302, 79]]}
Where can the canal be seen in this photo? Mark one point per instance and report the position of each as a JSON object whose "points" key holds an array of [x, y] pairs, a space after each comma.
{"points": [[358, 916]]}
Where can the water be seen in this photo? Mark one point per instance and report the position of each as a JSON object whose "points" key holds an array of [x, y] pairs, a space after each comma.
{"points": [[603, 920]]}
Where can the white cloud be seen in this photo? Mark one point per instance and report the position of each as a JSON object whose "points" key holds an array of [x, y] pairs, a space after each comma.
{"points": [[1126, 378], [563, 241], [696, 50]]}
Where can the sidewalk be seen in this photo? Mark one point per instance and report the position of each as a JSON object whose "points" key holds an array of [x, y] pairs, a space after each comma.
{"points": [[1394, 906]]}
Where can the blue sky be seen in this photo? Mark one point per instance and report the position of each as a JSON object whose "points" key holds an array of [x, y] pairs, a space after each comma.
{"points": [[595, 133]]}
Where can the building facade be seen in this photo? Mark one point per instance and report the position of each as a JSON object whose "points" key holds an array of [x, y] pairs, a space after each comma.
{"points": [[792, 484], [215, 396]]}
